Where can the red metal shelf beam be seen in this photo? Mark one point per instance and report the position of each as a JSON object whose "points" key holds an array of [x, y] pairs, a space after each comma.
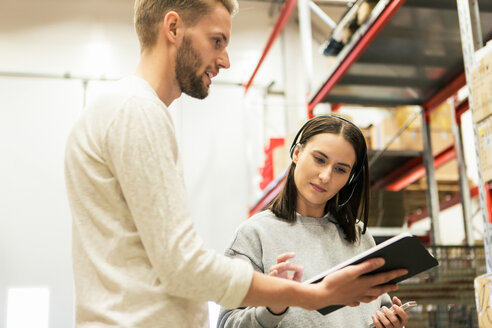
{"points": [[364, 42], [282, 19], [445, 93]]}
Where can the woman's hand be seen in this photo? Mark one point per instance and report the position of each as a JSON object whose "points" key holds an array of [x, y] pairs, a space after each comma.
{"points": [[395, 317], [281, 270]]}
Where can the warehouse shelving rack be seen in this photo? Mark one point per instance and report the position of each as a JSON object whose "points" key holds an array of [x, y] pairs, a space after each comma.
{"points": [[440, 78], [440, 74]]}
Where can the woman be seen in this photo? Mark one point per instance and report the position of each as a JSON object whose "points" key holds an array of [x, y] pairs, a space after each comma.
{"points": [[317, 221]]}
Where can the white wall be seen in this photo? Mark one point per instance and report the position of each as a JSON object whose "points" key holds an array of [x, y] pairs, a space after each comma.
{"points": [[49, 37], [35, 223], [212, 135]]}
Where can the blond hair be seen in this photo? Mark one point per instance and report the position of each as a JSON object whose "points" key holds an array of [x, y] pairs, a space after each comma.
{"points": [[149, 15]]}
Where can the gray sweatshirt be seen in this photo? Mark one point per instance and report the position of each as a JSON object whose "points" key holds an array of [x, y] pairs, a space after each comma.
{"points": [[319, 244]]}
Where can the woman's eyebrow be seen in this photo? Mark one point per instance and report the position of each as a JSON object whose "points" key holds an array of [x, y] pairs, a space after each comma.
{"points": [[321, 153], [340, 163]]}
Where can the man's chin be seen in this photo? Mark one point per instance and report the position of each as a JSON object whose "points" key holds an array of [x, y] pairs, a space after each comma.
{"points": [[202, 94]]}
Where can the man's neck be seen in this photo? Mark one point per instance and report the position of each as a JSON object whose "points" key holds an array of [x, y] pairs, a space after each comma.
{"points": [[158, 70]]}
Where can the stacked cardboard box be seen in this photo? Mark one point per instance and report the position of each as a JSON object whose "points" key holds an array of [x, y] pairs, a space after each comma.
{"points": [[411, 137], [485, 146], [481, 85]]}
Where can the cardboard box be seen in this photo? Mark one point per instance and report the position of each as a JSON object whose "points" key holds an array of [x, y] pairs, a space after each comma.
{"points": [[367, 132], [403, 113], [483, 291], [440, 117], [485, 147], [481, 84], [448, 171], [440, 140], [410, 139], [382, 133]]}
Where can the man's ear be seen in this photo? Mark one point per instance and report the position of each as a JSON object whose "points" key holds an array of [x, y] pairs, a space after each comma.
{"points": [[171, 27]]}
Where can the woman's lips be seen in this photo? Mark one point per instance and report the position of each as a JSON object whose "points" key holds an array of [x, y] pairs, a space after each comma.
{"points": [[317, 188]]}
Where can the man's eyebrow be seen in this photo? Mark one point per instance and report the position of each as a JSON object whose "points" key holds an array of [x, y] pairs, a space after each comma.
{"points": [[340, 163]]}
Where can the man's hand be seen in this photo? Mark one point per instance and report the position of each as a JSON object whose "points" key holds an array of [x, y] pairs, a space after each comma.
{"points": [[350, 286]]}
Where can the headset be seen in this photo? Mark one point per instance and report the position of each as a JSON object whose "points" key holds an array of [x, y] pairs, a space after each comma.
{"points": [[355, 175]]}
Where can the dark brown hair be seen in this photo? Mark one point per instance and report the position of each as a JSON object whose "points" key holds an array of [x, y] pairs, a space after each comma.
{"points": [[351, 204]]}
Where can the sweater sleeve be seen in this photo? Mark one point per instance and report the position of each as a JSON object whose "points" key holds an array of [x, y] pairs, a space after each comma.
{"points": [[142, 152], [247, 246]]}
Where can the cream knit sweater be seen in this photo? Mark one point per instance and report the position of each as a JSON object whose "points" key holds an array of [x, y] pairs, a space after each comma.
{"points": [[137, 260]]}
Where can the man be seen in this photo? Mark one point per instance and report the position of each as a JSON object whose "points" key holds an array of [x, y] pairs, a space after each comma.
{"points": [[137, 260]]}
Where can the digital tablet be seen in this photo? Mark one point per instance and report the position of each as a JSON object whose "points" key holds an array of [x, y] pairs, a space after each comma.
{"points": [[403, 251]]}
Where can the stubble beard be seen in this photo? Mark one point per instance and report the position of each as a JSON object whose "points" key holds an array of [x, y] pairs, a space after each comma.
{"points": [[188, 62]]}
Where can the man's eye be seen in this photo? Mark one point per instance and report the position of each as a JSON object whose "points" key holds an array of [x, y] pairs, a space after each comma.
{"points": [[218, 42]]}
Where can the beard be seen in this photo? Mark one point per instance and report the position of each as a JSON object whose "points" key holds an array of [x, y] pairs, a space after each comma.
{"points": [[188, 62]]}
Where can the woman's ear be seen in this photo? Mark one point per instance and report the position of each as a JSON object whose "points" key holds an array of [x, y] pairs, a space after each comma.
{"points": [[295, 154]]}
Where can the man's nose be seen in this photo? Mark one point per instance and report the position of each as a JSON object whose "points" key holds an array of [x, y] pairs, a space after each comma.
{"points": [[223, 60]]}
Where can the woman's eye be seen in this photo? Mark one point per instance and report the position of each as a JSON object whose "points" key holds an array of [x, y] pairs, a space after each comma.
{"points": [[319, 160], [341, 170]]}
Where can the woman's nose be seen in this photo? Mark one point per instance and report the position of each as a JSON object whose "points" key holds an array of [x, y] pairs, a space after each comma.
{"points": [[325, 174]]}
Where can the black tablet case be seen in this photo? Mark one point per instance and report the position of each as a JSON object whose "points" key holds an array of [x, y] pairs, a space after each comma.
{"points": [[402, 251]]}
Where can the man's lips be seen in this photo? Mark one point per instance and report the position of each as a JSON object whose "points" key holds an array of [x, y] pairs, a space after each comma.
{"points": [[209, 75], [317, 188]]}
